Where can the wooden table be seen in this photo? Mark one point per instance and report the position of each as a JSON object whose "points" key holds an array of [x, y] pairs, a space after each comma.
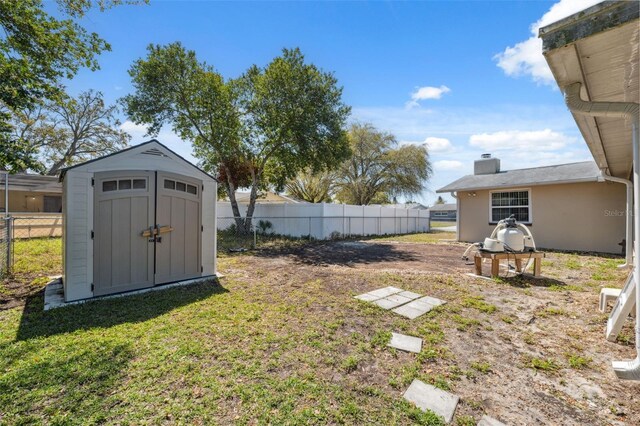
{"points": [[537, 257]]}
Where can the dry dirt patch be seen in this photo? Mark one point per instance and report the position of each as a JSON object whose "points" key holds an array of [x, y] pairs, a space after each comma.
{"points": [[524, 350]]}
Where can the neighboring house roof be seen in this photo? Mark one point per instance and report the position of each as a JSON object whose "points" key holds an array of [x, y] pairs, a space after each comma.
{"points": [[598, 47], [586, 171], [443, 207], [265, 198], [409, 206], [33, 183]]}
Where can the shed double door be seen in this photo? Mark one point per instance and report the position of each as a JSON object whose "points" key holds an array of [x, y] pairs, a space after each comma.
{"points": [[147, 230]]}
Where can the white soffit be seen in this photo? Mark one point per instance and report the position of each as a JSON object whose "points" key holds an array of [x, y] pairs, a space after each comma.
{"points": [[599, 48]]}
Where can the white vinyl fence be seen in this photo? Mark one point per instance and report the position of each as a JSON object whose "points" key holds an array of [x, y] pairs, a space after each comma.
{"points": [[324, 221]]}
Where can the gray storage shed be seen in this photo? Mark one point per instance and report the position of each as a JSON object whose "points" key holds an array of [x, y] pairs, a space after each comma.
{"points": [[137, 218]]}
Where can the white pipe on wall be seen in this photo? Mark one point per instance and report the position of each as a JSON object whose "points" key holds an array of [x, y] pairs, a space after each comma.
{"points": [[629, 370], [455, 197], [628, 218]]}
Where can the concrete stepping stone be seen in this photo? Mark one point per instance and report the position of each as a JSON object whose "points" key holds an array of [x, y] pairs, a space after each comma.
{"points": [[411, 295], [366, 297], [405, 343], [489, 421], [427, 397], [412, 312], [386, 291], [392, 301], [430, 300]]}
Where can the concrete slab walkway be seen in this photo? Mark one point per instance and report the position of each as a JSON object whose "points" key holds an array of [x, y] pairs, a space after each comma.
{"points": [[427, 397], [405, 343], [489, 421], [406, 303]]}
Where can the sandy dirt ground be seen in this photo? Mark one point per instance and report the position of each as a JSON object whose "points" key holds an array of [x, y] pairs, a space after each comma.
{"points": [[523, 350]]}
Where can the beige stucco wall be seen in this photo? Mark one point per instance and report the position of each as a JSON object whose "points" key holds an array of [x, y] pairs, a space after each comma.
{"points": [[25, 201], [578, 216]]}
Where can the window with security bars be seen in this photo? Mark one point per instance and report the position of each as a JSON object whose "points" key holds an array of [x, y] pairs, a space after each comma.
{"points": [[505, 204]]}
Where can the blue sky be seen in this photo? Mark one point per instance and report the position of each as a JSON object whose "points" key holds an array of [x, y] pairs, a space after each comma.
{"points": [[463, 77]]}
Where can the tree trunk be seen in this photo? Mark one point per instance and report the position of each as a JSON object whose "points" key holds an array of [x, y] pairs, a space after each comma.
{"points": [[252, 200], [56, 167], [231, 192]]}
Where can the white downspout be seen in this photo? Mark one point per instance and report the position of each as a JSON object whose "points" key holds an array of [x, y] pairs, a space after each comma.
{"points": [[455, 197], [629, 370], [628, 218]]}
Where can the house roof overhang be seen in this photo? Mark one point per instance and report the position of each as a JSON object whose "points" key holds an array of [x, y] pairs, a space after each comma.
{"points": [[598, 47]]}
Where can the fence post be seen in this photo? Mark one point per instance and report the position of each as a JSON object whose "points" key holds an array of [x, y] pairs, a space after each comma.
{"points": [[309, 228], [10, 250], [255, 235]]}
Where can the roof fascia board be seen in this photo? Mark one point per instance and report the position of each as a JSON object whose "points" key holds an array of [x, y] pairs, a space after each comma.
{"points": [[489, 187], [596, 19]]}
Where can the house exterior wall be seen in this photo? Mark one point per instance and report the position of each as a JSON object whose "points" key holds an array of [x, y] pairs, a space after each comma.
{"points": [[78, 214], [443, 215], [578, 216], [25, 201]]}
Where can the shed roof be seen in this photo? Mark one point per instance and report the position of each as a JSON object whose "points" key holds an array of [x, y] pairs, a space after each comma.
{"points": [[586, 171], [149, 148], [33, 183]]}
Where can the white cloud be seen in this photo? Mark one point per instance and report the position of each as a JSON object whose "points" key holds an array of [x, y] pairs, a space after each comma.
{"points": [[135, 130], [537, 140], [448, 165], [525, 58], [438, 144], [429, 92], [426, 92]]}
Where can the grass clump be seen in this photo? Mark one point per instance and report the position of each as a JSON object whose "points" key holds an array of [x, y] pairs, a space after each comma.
{"points": [[477, 302], [350, 363], [465, 421], [380, 339], [507, 319], [573, 263], [463, 323], [543, 364], [551, 311], [578, 362], [482, 367]]}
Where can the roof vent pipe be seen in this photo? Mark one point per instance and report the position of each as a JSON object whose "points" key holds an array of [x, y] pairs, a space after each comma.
{"points": [[629, 370]]}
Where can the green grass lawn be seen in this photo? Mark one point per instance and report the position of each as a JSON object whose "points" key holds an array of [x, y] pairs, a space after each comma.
{"points": [[436, 224], [34, 261], [425, 237], [282, 342], [201, 354]]}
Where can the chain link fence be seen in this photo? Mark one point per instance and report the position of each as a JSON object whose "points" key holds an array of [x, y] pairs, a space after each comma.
{"points": [[35, 225], [6, 249], [234, 235]]}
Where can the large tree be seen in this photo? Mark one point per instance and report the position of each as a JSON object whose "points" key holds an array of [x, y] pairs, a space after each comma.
{"points": [[312, 187], [379, 169], [261, 128], [38, 51], [70, 131]]}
